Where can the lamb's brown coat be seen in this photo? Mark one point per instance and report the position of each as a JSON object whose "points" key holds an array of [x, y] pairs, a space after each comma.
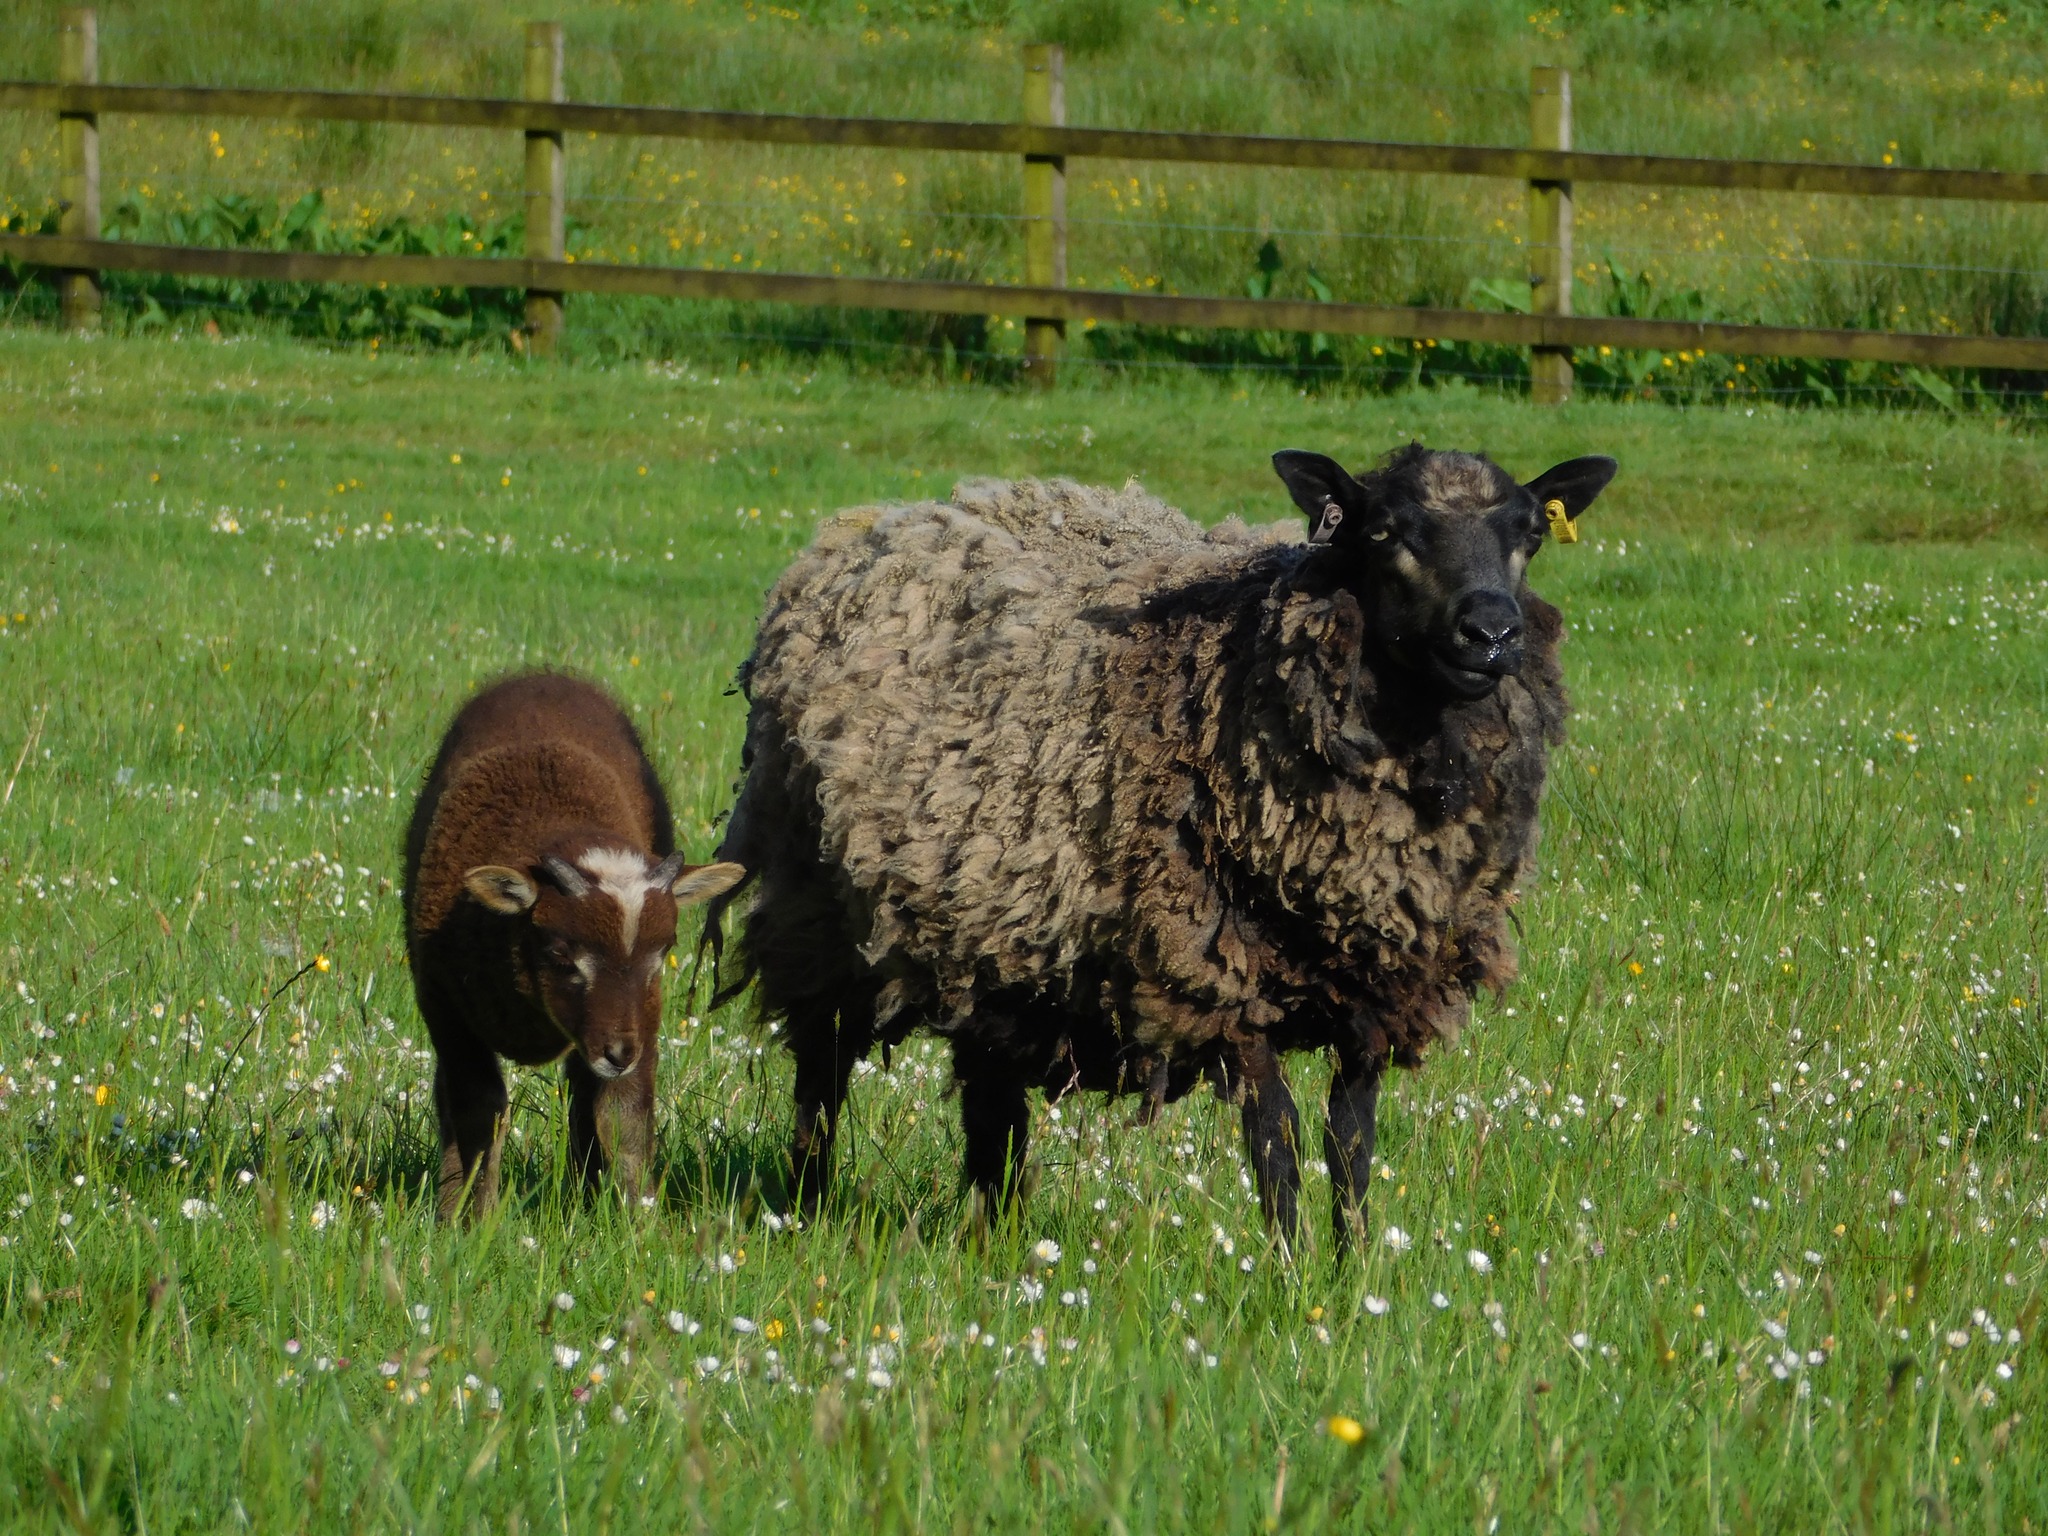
{"points": [[536, 767], [1053, 771]]}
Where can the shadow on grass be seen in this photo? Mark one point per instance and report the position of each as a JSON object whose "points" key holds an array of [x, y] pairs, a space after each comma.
{"points": [[749, 1175], [388, 1152]]}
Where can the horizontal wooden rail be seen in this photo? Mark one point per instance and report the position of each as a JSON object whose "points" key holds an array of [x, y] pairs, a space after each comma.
{"points": [[1069, 304], [1025, 139]]}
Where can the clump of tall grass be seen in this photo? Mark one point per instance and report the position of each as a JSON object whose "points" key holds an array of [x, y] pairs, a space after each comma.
{"points": [[1808, 80]]}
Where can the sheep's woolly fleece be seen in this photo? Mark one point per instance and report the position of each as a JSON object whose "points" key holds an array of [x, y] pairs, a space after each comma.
{"points": [[1054, 771]]}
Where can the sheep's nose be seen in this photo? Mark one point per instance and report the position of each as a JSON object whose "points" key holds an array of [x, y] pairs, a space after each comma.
{"points": [[618, 1059], [1490, 628]]}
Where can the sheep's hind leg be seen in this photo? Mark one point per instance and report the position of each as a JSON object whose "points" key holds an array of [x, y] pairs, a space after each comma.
{"points": [[1272, 1133], [825, 1055], [1348, 1133], [997, 1120]]}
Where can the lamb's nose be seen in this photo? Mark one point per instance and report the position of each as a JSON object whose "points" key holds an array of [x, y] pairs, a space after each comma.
{"points": [[1490, 630], [618, 1060]]}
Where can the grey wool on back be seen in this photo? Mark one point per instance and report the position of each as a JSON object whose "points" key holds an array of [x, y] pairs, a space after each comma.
{"points": [[1110, 800]]}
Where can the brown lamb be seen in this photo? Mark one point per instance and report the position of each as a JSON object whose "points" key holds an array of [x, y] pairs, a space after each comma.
{"points": [[1114, 803], [542, 888]]}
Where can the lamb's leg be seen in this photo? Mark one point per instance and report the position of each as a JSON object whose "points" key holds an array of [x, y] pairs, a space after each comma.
{"points": [[824, 1060], [997, 1120], [471, 1104], [1272, 1133], [611, 1124], [1347, 1146]]}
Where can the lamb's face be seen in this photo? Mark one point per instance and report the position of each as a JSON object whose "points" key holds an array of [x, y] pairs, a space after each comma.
{"points": [[597, 923], [1440, 545]]}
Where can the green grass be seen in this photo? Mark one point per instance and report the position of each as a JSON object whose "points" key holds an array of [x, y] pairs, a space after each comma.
{"points": [[1867, 80], [1770, 1082]]}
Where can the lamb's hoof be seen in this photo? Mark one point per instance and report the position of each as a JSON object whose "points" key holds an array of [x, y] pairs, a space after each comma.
{"points": [[984, 1211], [974, 1216], [1348, 1233]]}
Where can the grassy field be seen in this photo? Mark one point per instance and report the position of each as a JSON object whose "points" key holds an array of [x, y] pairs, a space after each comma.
{"points": [[1870, 81], [1729, 1216]]}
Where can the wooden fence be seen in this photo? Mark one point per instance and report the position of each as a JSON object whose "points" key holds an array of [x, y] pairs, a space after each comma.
{"points": [[1043, 140]]}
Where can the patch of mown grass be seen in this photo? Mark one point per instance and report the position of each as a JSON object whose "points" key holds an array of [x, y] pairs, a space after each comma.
{"points": [[1750, 1159]]}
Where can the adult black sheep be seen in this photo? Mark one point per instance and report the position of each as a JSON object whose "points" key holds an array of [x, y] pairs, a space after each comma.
{"points": [[1110, 802]]}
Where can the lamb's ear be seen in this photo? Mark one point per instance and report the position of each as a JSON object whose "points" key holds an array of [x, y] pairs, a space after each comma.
{"points": [[1339, 511], [706, 881], [1574, 483], [503, 890]]}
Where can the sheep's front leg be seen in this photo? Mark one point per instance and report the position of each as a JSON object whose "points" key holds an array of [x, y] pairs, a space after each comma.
{"points": [[471, 1104], [611, 1124], [997, 1120], [1348, 1134], [1272, 1133]]}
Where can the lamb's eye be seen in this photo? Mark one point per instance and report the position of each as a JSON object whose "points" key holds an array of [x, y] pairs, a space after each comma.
{"points": [[1381, 537]]}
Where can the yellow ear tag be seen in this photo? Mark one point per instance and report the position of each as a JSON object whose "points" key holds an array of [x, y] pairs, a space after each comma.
{"points": [[1563, 529]]}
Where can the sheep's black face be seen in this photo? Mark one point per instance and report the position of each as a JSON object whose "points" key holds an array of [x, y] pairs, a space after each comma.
{"points": [[598, 924], [1441, 544]]}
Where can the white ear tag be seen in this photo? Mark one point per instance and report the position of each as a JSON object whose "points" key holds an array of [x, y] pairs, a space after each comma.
{"points": [[1326, 528]]}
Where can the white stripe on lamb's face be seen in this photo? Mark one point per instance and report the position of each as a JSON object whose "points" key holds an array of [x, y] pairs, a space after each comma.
{"points": [[622, 875]]}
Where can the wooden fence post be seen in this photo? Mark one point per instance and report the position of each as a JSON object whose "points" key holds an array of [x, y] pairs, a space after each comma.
{"points": [[546, 185], [1550, 232], [1045, 207], [78, 63]]}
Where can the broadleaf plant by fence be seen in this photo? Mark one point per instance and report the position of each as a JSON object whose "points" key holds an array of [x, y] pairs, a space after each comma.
{"points": [[546, 272]]}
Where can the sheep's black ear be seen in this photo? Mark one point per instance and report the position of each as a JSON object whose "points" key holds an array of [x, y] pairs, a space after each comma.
{"points": [[1339, 511], [1575, 483], [505, 891]]}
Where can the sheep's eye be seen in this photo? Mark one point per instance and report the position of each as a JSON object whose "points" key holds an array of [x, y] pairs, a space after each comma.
{"points": [[1382, 536]]}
